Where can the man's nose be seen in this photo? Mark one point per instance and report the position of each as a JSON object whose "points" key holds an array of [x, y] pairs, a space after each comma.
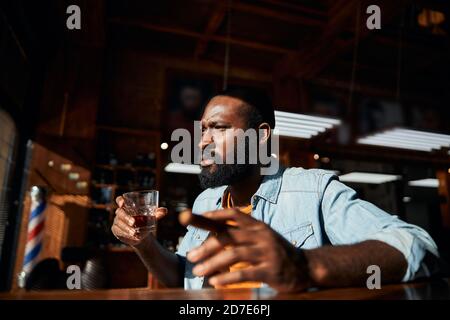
{"points": [[206, 140]]}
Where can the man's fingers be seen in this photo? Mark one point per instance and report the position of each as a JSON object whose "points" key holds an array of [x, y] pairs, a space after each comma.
{"points": [[123, 235], [226, 258], [160, 213], [253, 273], [119, 201], [229, 236], [230, 214], [122, 215], [208, 248], [125, 227]]}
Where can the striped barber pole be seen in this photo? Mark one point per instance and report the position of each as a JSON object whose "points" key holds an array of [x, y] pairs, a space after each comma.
{"points": [[35, 229]]}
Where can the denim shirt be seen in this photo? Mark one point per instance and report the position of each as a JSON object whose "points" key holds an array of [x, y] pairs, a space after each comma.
{"points": [[312, 208]]}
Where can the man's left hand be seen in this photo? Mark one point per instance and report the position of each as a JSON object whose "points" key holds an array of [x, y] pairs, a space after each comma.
{"points": [[272, 259]]}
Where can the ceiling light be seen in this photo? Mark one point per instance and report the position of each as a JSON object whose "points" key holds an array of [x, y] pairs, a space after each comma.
{"points": [[164, 145], [406, 199], [335, 172], [426, 183], [393, 145], [182, 168], [314, 119], [366, 177], [298, 125], [408, 139]]}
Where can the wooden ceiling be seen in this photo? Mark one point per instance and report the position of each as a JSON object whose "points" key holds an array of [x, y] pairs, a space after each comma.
{"points": [[310, 40]]}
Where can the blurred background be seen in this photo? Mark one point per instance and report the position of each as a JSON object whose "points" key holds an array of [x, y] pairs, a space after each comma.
{"points": [[87, 114]]}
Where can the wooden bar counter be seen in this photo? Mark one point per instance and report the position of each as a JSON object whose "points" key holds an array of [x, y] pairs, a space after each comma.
{"points": [[435, 289]]}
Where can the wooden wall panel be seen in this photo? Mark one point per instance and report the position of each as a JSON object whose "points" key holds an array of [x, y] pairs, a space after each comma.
{"points": [[71, 94], [133, 88], [444, 192], [67, 206], [65, 225], [135, 81]]}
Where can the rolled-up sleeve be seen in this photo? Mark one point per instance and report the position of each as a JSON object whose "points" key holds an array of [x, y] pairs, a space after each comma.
{"points": [[348, 219]]}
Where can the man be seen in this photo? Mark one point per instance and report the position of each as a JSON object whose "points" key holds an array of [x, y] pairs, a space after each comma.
{"points": [[292, 230]]}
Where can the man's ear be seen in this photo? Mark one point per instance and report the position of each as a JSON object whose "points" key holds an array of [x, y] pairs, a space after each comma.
{"points": [[264, 128]]}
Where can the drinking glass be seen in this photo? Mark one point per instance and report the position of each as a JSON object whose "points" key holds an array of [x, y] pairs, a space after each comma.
{"points": [[142, 205]]}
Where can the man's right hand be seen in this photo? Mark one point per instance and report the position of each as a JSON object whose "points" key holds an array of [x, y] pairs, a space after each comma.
{"points": [[123, 225]]}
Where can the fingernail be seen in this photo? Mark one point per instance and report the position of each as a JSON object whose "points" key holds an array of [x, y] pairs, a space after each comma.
{"points": [[192, 255], [198, 269]]}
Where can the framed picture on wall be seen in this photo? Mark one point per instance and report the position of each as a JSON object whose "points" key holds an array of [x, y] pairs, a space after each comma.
{"points": [[186, 96], [376, 115]]}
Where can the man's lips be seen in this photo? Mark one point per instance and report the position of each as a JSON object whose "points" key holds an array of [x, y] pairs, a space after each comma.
{"points": [[206, 162]]}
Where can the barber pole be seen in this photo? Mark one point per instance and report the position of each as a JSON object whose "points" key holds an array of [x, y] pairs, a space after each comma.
{"points": [[35, 231]]}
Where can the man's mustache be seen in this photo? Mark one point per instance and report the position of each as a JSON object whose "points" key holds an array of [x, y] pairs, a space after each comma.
{"points": [[208, 154]]}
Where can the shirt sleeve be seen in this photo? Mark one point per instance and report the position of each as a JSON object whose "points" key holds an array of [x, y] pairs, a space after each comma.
{"points": [[348, 219]]}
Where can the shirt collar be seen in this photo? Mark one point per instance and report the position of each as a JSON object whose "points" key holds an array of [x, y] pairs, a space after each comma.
{"points": [[269, 189]]}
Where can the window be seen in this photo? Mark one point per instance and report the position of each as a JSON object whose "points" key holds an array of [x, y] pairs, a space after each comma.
{"points": [[8, 136]]}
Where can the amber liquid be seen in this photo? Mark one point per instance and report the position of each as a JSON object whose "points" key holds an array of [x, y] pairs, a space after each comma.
{"points": [[145, 223]]}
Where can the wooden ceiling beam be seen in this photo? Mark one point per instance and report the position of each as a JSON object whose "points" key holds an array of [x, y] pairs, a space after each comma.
{"points": [[421, 45], [207, 66], [324, 50], [278, 15], [297, 7], [285, 15], [373, 91], [213, 25], [197, 35]]}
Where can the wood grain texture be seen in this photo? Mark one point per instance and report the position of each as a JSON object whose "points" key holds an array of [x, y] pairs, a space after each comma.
{"points": [[437, 289]]}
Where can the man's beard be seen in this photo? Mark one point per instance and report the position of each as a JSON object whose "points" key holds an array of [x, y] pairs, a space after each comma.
{"points": [[225, 174]]}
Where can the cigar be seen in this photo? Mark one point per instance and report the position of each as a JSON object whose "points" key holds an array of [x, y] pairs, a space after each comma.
{"points": [[188, 218]]}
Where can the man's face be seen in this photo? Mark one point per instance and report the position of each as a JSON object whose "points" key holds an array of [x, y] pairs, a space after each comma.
{"points": [[221, 116]]}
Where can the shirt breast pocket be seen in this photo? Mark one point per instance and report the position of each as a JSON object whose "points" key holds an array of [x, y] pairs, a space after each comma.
{"points": [[301, 236]]}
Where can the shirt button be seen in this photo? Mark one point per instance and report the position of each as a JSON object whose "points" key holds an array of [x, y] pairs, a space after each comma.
{"points": [[294, 242]]}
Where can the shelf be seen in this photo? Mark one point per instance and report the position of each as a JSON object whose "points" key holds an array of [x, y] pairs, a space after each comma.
{"points": [[104, 185], [132, 131], [124, 168], [127, 144], [131, 188]]}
